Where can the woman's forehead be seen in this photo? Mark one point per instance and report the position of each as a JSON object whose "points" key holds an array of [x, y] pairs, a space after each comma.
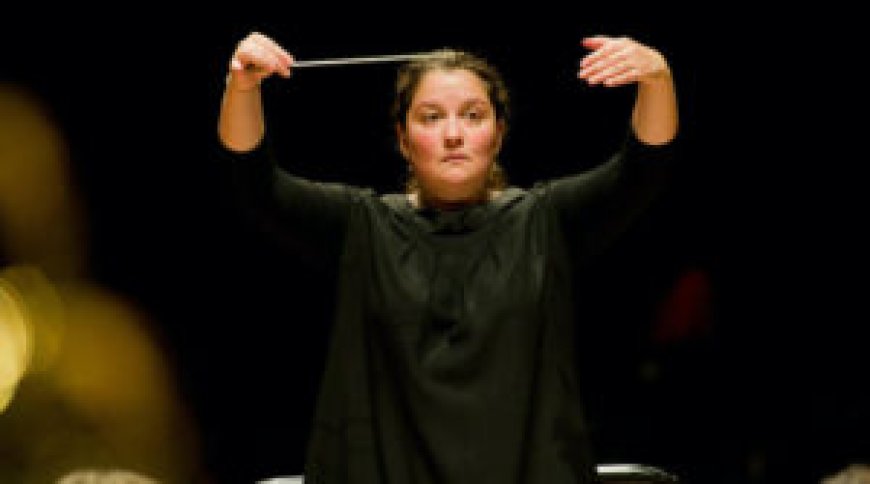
{"points": [[442, 85]]}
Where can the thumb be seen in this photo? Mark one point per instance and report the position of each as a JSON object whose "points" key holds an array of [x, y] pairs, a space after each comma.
{"points": [[594, 42]]}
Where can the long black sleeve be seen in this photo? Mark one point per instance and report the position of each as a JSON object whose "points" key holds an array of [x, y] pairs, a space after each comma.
{"points": [[310, 215], [596, 206]]}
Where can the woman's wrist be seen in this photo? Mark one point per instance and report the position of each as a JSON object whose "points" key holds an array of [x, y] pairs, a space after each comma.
{"points": [[232, 84], [661, 77]]}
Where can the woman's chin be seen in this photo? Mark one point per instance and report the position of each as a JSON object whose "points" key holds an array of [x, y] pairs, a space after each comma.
{"points": [[460, 181]]}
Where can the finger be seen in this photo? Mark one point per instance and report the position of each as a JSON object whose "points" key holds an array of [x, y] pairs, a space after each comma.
{"points": [[624, 53], [628, 76], [249, 60], [593, 69], [288, 66], [257, 58], [604, 50], [276, 59], [272, 48], [594, 42], [252, 50], [599, 65], [283, 58], [247, 54], [609, 67], [280, 59], [604, 75]]}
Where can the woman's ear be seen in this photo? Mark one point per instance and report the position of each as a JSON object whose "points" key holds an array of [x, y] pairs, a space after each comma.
{"points": [[402, 140], [501, 128]]}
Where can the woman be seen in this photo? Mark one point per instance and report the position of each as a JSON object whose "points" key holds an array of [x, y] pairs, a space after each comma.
{"points": [[451, 356]]}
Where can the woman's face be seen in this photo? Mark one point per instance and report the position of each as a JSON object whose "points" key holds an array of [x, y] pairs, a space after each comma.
{"points": [[451, 136]]}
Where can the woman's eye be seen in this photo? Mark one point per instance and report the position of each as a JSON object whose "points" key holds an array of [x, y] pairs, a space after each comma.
{"points": [[430, 117], [474, 115]]}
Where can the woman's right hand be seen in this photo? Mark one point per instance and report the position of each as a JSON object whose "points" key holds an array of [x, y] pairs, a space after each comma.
{"points": [[257, 57]]}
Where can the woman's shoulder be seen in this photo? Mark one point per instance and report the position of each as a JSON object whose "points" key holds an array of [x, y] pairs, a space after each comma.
{"points": [[395, 201]]}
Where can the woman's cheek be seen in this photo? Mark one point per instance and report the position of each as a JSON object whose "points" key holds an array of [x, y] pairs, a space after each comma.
{"points": [[424, 142], [484, 141]]}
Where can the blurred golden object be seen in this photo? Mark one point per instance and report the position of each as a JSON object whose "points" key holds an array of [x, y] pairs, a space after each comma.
{"points": [[13, 346], [91, 387], [86, 394], [104, 477], [30, 326], [39, 213]]}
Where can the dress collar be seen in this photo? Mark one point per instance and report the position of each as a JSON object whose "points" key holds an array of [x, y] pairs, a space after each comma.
{"points": [[462, 220]]}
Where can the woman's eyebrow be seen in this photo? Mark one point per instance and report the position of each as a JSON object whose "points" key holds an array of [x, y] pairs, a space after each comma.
{"points": [[428, 104], [438, 105], [476, 102]]}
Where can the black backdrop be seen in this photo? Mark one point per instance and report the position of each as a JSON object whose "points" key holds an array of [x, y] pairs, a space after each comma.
{"points": [[768, 391]]}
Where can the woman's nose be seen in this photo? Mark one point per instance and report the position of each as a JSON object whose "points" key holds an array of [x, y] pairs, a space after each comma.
{"points": [[453, 132]]}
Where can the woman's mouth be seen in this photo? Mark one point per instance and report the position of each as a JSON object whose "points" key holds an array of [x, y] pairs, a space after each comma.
{"points": [[455, 158]]}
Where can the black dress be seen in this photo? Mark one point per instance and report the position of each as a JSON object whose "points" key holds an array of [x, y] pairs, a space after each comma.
{"points": [[451, 358]]}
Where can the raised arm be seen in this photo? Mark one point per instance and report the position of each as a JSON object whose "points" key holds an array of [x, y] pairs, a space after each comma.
{"points": [[241, 125], [307, 213], [616, 61], [598, 205]]}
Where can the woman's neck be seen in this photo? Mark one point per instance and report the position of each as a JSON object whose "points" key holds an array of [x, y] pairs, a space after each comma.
{"points": [[419, 200]]}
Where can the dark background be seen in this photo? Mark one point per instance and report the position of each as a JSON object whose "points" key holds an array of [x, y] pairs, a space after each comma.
{"points": [[721, 338]]}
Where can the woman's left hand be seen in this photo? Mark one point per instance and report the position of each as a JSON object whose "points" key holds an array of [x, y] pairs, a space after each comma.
{"points": [[616, 61]]}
